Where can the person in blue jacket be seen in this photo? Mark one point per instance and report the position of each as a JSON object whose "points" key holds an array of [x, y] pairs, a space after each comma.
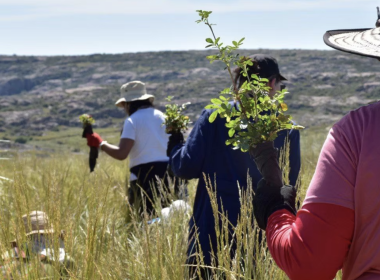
{"points": [[205, 152]]}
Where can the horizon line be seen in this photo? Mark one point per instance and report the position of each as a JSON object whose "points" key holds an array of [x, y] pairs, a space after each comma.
{"points": [[157, 51]]}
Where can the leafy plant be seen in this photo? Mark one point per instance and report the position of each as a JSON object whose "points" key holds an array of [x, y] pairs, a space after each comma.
{"points": [[21, 140], [175, 121], [256, 117], [86, 119]]}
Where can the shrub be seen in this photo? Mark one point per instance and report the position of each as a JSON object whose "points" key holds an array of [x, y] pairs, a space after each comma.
{"points": [[21, 140]]}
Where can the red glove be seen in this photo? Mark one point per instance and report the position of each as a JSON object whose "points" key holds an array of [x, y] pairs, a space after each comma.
{"points": [[93, 140]]}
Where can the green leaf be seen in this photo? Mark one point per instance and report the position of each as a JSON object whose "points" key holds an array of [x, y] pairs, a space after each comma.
{"points": [[212, 58], [244, 147], [209, 40], [231, 132], [213, 116], [209, 46], [212, 106], [298, 127], [225, 91], [284, 107], [230, 124], [286, 126], [230, 141], [283, 118], [216, 101], [254, 76]]}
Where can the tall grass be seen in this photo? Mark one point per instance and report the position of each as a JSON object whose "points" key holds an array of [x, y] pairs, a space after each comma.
{"points": [[92, 210]]}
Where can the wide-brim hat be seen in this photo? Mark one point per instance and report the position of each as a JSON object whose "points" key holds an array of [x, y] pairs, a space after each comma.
{"points": [[133, 91], [36, 222], [364, 42]]}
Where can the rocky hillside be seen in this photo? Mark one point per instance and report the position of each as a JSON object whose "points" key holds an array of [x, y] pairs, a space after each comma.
{"points": [[38, 94]]}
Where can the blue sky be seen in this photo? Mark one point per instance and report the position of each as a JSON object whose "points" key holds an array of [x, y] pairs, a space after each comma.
{"points": [[69, 27]]}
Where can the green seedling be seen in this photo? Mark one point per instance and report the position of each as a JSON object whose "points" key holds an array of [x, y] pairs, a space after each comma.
{"points": [[86, 120], [258, 117], [175, 121]]}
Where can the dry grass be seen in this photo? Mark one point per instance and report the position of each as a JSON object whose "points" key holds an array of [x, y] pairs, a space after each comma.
{"points": [[92, 210]]}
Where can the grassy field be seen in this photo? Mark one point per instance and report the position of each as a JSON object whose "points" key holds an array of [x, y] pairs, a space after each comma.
{"points": [[92, 210]]}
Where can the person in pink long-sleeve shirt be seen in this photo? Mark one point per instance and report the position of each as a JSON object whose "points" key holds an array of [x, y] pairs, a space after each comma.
{"points": [[338, 226]]}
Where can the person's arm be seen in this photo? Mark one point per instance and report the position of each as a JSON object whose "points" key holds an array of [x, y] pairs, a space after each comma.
{"points": [[294, 156], [312, 245], [186, 160], [120, 152], [127, 140], [126, 143]]}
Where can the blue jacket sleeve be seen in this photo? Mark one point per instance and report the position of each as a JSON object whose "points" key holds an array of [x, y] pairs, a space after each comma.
{"points": [[186, 161], [294, 156]]}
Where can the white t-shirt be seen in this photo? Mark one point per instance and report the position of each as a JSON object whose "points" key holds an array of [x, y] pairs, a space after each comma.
{"points": [[146, 129]]}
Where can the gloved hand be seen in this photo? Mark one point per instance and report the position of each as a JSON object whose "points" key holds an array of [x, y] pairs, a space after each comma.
{"points": [[93, 140], [271, 198], [265, 156], [271, 195], [174, 139]]}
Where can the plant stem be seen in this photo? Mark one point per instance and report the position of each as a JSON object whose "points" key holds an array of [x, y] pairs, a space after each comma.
{"points": [[228, 67], [254, 94], [232, 78]]}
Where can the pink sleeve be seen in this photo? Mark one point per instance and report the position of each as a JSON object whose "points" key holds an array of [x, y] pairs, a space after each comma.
{"points": [[334, 179], [312, 245]]}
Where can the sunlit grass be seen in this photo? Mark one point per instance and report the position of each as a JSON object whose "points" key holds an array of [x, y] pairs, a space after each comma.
{"points": [[92, 210]]}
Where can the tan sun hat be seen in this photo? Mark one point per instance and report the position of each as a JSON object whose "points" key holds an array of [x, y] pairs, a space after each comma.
{"points": [[36, 222], [133, 91], [364, 42]]}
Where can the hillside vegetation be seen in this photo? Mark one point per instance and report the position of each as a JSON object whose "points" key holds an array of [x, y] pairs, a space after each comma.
{"points": [[41, 95]]}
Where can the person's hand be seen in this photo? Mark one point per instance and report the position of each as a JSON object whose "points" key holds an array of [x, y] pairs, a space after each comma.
{"points": [[270, 198], [174, 139], [94, 140], [265, 156]]}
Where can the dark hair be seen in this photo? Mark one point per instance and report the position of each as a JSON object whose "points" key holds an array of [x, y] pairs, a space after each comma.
{"points": [[135, 105], [240, 79]]}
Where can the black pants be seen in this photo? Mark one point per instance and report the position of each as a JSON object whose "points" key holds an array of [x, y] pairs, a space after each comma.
{"points": [[152, 182]]}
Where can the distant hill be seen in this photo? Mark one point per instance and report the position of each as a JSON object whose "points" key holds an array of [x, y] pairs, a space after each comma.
{"points": [[38, 94]]}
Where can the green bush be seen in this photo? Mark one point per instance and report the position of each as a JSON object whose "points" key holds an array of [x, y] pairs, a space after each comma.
{"points": [[21, 140]]}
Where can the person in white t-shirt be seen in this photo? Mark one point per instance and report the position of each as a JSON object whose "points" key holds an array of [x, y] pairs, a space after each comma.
{"points": [[144, 140]]}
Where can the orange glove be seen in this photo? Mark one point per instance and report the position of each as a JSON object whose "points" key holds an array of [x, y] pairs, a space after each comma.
{"points": [[93, 140]]}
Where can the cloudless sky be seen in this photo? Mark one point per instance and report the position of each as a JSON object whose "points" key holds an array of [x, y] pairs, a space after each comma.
{"points": [[70, 27]]}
